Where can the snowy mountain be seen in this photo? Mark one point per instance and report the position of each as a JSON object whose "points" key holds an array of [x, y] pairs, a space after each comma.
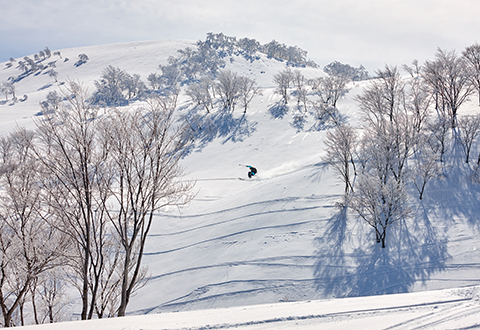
{"points": [[280, 237]]}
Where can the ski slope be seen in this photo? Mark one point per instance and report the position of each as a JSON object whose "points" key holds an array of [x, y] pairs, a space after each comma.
{"points": [[444, 309], [275, 251]]}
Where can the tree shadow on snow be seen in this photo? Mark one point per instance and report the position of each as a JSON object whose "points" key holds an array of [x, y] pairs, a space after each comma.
{"points": [[299, 121], [204, 128], [326, 123], [350, 263], [331, 268], [455, 197], [45, 87], [278, 110]]}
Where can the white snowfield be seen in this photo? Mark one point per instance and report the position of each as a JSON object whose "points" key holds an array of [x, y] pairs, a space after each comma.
{"points": [[442, 309], [275, 252]]}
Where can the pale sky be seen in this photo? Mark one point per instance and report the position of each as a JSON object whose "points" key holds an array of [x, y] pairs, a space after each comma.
{"points": [[368, 32]]}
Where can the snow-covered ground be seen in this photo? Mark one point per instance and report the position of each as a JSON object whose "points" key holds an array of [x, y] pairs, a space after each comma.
{"points": [[274, 251], [445, 309]]}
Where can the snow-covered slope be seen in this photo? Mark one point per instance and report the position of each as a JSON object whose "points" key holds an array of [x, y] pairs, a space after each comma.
{"points": [[445, 309], [279, 237], [141, 58]]}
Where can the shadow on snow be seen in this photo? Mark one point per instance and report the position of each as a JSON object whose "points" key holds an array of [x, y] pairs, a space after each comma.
{"points": [[415, 250], [278, 110], [206, 127], [301, 117], [455, 197]]}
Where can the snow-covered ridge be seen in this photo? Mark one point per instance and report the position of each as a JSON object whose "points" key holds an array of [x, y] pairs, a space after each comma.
{"points": [[140, 58]]}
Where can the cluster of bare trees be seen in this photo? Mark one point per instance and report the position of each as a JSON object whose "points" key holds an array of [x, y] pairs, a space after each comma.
{"points": [[230, 88], [117, 87], [40, 56], [228, 46], [208, 59], [78, 199], [339, 69], [28, 67], [322, 93], [409, 123]]}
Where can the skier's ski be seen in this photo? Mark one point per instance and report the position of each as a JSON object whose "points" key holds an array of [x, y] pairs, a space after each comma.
{"points": [[250, 179]]}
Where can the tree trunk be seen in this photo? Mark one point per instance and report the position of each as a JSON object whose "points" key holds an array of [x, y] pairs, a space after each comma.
{"points": [[50, 313], [421, 191], [22, 320], [85, 287], [7, 319], [34, 305], [124, 297], [384, 235]]}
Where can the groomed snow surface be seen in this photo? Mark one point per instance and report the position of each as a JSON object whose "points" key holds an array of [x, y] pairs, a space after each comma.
{"points": [[443, 309], [275, 252]]}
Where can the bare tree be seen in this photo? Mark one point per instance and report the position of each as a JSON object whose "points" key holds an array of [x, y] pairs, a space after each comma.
{"points": [[228, 88], [448, 77], [76, 185], [380, 198], [110, 87], [33, 66], [418, 97], [109, 292], [325, 113], [340, 147], [469, 129], [47, 52], [472, 56], [28, 245], [82, 59], [49, 298], [386, 113], [380, 203], [425, 168], [116, 86], [283, 79], [300, 83], [6, 89], [202, 93], [22, 65], [133, 86], [155, 81], [53, 74], [248, 89], [145, 148], [438, 129], [330, 89], [384, 98]]}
